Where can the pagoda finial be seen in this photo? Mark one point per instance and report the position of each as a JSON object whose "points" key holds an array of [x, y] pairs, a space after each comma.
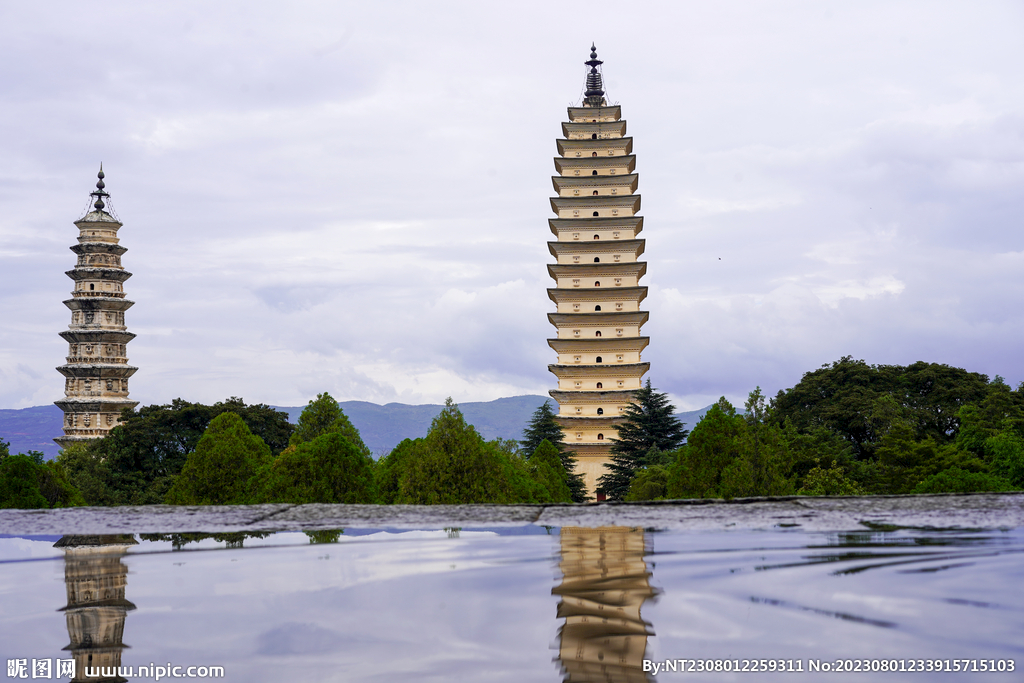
{"points": [[595, 88], [99, 193]]}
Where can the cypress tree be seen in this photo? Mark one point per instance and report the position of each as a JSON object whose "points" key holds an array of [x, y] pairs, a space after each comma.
{"points": [[649, 423], [322, 416], [222, 469], [542, 427]]}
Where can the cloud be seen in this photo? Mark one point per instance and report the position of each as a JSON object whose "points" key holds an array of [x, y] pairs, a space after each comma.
{"points": [[354, 198]]}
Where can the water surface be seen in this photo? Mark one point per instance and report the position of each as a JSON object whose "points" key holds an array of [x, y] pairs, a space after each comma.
{"points": [[514, 604]]}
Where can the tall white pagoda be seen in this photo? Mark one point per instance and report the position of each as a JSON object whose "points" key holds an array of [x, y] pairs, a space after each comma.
{"points": [[597, 275], [97, 371]]}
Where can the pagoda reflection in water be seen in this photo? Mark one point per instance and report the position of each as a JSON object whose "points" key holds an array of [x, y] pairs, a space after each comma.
{"points": [[605, 582], [96, 579]]}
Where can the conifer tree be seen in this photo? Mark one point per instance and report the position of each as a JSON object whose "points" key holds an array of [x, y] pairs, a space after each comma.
{"points": [[542, 427], [649, 423], [453, 465], [328, 469], [322, 416], [545, 466], [222, 469]]}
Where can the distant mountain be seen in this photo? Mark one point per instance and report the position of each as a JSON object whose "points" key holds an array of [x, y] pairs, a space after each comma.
{"points": [[32, 429], [381, 426]]}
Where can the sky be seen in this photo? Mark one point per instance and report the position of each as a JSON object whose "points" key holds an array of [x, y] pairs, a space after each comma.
{"points": [[353, 197]]}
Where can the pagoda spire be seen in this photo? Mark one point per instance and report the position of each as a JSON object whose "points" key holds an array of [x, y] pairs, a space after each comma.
{"points": [[96, 371], [595, 87], [99, 193]]}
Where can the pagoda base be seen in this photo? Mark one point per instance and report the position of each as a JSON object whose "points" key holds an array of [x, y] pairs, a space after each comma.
{"points": [[591, 461]]}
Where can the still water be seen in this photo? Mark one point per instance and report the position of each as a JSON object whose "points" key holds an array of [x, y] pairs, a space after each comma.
{"points": [[516, 604]]}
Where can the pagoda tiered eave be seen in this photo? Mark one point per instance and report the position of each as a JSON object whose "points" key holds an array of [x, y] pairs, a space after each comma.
{"points": [[96, 335], [603, 165], [94, 369], [590, 397], [632, 247], [595, 114], [612, 370], [629, 268], [602, 344], [105, 301], [562, 295], [98, 248], [578, 129], [598, 319], [93, 273], [622, 202], [561, 182], [563, 225], [575, 422], [568, 145]]}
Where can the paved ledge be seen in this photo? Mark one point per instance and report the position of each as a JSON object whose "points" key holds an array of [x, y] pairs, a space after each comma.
{"points": [[947, 511]]}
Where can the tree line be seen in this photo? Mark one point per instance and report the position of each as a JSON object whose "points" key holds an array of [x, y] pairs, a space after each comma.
{"points": [[231, 453], [850, 428], [847, 428]]}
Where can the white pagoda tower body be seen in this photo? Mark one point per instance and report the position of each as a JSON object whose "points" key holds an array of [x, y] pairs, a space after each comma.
{"points": [[97, 371], [597, 275]]}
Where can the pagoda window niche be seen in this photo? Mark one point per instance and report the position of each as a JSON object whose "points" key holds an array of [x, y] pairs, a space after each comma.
{"points": [[600, 437], [600, 385], [600, 411], [597, 334], [597, 259], [598, 359], [597, 308]]}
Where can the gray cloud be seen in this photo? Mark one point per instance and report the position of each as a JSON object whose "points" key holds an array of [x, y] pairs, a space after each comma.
{"points": [[353, 197]]}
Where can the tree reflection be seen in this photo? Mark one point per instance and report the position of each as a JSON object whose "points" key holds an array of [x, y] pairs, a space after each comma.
{"points": [[605, 582]]}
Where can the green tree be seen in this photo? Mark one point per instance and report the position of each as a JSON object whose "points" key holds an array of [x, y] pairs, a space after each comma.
{"points": [[321, 416], [90, 473], [956, 480], [5, 449], [715, 443], [221, 469], [829, 482], [545, 468], [840, 398], [453, 465], [765, 463], [138, 461], [19, 483], [1005, 453], [650, 484], [328, 469], [392, 468], [543, 427], [27, 482], [649, 422]]}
